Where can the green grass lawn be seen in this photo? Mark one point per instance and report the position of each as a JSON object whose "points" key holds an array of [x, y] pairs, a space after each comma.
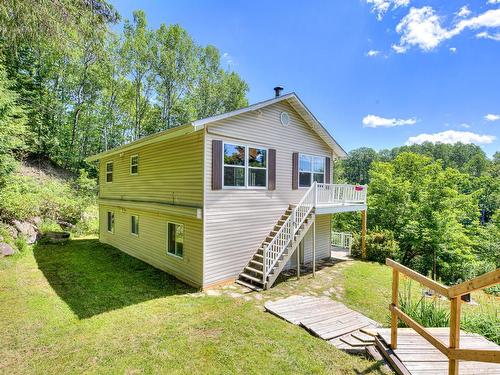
{"points": [[85, 307]]}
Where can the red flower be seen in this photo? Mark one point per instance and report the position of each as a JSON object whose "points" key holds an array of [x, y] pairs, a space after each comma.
{"points": [[358, 188]]}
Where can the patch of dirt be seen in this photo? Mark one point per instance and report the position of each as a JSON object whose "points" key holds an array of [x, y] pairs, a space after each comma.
{"points": [[43, 169]]}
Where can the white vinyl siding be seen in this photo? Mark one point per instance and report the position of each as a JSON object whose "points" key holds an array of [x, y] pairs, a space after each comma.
{"points": [[238, 220]]}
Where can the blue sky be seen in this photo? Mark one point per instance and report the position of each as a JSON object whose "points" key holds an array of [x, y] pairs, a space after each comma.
{"points": [[433, 72]]}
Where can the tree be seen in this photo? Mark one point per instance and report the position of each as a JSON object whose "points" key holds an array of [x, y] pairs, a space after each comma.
{"points": [[12, 126], [357, 165]]}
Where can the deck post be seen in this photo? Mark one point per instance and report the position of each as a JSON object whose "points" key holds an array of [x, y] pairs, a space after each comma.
{"points": [[363, 234], [394, 315], [297, 250], [454, 333], [314, 245]]}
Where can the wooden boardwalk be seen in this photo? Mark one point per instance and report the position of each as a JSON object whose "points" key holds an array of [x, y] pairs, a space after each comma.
{"points": [[417, 356], [328, 319]]}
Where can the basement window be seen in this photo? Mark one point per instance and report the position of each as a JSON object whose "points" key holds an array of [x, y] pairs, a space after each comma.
{"points": [[134, 225], [134, 164], [311, 169], [244, 166], [109, 172], [175, 239], [111, 222]]}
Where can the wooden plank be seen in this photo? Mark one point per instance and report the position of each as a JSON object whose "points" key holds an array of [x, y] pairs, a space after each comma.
{"points": [[394, 315], [454, 333], [429, 283], [481, 355], [353, 341], [391, 357], [363, 337], [481, 282]]}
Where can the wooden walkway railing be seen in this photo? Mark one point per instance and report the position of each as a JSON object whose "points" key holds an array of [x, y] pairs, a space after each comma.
{"points": [[453, 293]]}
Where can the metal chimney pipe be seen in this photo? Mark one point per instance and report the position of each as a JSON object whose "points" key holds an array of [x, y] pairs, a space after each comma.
{"points": [[277, 91]]}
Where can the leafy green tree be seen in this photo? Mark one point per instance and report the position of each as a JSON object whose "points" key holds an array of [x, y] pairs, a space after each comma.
{"points": [[13, 131], [357, 165]]}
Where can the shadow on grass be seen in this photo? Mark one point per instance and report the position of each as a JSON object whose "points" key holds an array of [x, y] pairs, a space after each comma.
{"points": [[93, 278]]}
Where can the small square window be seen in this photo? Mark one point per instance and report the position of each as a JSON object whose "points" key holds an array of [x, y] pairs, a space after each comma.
{"points": [[134, 225], [111, 222], [109, 171], [134, 164], [175, 239]]}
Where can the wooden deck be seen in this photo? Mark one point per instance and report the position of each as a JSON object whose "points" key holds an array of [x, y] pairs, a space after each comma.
{"points": [[416, 356], [328, 319]]}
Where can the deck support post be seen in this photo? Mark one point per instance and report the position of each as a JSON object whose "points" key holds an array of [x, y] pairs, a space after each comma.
{"points": [[454, 333], [314, 245], [297, 250], [363, 234], [394, 315]]}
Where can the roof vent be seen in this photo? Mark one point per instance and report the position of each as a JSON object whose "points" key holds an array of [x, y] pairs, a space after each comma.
{"points": [[277, 91]]}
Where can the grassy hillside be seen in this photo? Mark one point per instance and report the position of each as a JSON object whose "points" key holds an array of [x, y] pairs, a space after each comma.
{"points": [[86, 307]]}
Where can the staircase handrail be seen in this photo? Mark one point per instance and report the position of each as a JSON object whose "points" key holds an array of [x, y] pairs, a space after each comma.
{"points": [[290, 221]]}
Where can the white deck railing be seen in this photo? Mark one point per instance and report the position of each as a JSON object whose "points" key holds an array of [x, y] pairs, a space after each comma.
{"points": [[317, 194], [341, 194], [285, 234], [343, 240]]}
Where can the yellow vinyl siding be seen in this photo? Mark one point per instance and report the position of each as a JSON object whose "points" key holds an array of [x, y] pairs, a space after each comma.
{"points": [[168, 187], [237, 220], [151, 243], [169, 172]]}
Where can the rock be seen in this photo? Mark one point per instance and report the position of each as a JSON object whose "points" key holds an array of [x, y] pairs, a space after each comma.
{"points": [[65, 224], [56, 237], [37, 221], [28, 230], [12, 231], [6, 249]]}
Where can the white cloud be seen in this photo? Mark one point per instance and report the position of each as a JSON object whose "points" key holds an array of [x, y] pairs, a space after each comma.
{"points": [[227, 58], [453, 49], [422, 28], [464, 11], [382, 6], [373, 121], [492, 117], [487, 35], [464, 125], [451, 136], [493, 1], [372, 53]]}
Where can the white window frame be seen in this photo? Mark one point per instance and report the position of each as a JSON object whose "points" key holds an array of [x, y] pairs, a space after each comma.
{"points": [[112, 172], [168, 240], [131, 226], [246, 167], [311, 172], [137, 165], [112, 231]]}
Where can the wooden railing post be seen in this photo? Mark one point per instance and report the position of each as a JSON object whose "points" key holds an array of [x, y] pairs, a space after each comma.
{"points": [[454, 333], [394, 315], [363, 234]]}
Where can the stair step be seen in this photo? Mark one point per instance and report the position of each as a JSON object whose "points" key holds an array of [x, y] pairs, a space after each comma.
{"points": [[248, 285], [253, 270], [256, 262], [250, 277], [257, 255]]}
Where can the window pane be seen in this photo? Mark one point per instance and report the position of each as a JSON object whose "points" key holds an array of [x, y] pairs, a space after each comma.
{"points": [[134, 169], [304, 179], [234, 155], [257, 177], [257, 157], [109, 177], [134, 160], [171, 238], [305, 162], [109, 167], [319, 177], [111, 221], [234, 176], [175, 239], [318, 164], [135, 224]]}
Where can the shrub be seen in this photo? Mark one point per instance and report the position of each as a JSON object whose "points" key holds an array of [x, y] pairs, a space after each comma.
{"points": [[89, 223], [379, 245]]}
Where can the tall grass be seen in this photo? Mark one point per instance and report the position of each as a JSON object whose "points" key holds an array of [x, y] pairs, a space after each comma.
{"points": [[435, 312]]}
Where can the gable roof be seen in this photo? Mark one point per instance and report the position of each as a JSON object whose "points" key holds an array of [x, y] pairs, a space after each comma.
{"points": [[193, 126]]}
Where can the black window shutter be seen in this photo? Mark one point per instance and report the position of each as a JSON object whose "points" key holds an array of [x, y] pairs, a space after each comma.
{"points": [[327, 171], [295, 170], [216, 164], [271, 173]]}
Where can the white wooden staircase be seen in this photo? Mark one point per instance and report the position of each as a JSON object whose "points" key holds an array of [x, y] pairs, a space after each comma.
{"points": [[281, 243]]}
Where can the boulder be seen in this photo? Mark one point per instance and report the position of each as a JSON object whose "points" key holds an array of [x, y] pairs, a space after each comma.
{"points": [[28, 230], [65, 224], [56, 237], [37, 221], [6, 249], [11, 230]]}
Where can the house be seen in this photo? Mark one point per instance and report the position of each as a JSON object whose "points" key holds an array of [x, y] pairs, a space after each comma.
{"points": [[229, 197]]}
